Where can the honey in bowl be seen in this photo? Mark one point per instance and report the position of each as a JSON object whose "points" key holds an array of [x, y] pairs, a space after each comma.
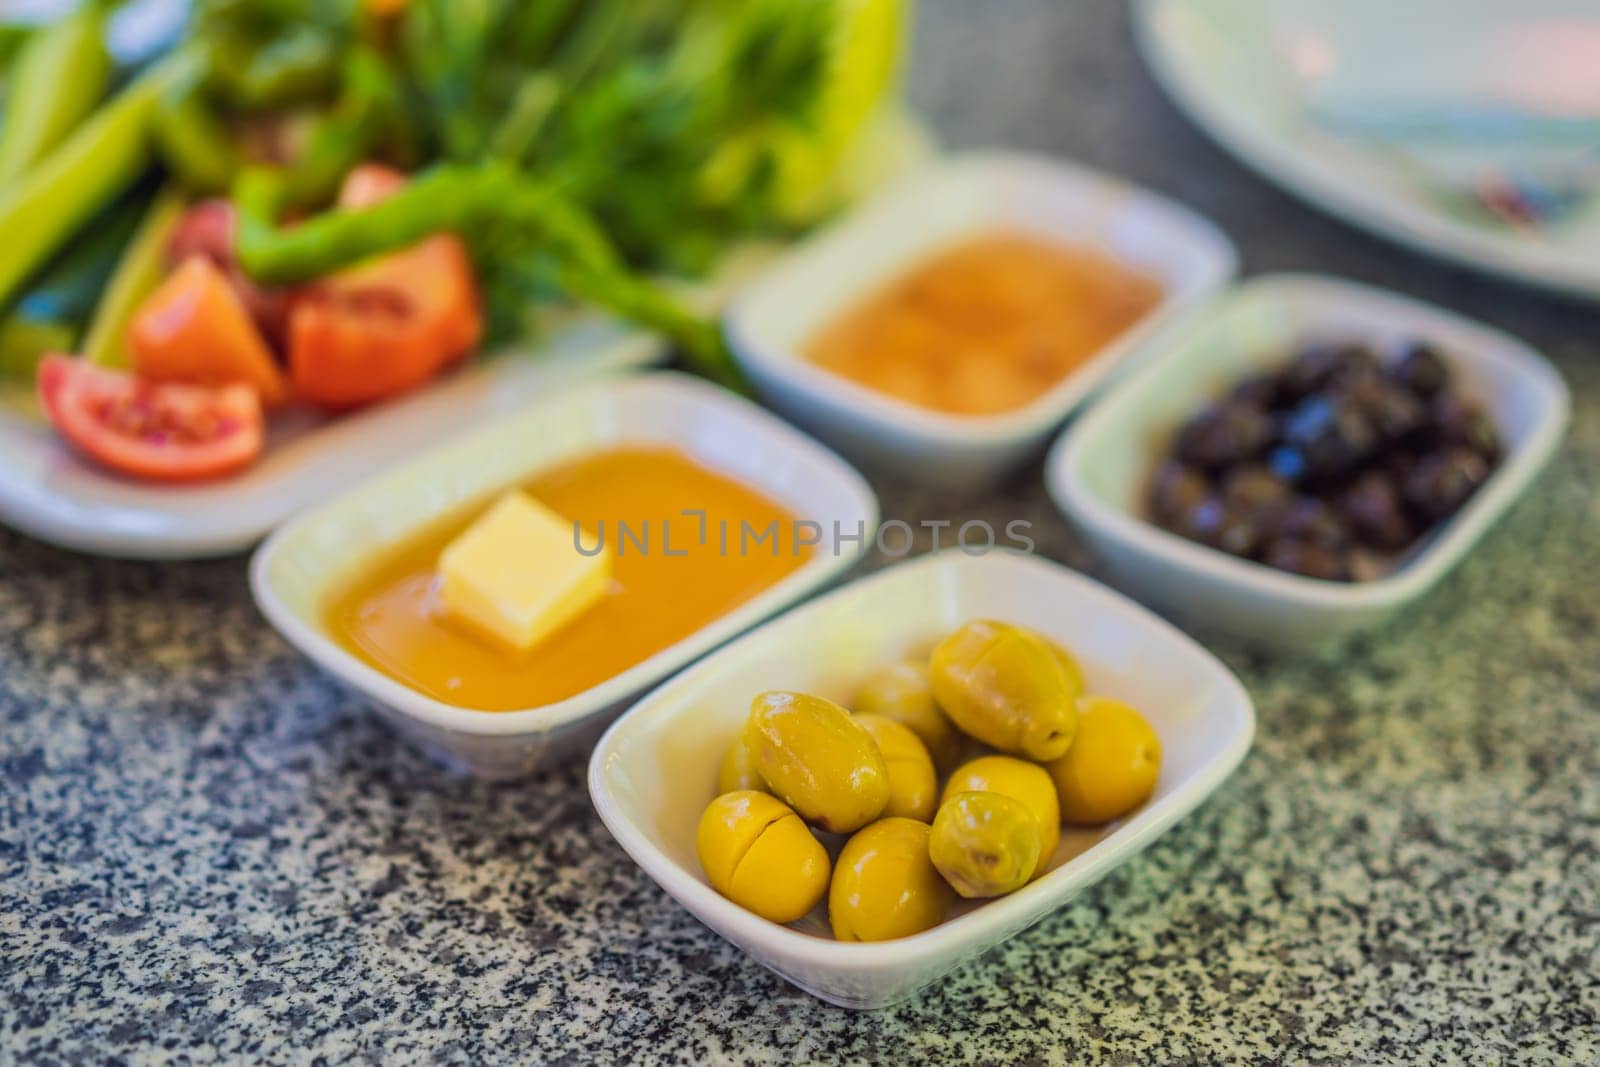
{"points": [[986, 326], [683, 575]]}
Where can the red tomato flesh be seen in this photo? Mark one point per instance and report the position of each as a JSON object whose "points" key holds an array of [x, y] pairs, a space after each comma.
{"points": [[161, 432]]}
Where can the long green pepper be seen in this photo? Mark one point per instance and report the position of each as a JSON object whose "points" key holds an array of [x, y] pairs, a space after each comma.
{"points": [[461, 199]]}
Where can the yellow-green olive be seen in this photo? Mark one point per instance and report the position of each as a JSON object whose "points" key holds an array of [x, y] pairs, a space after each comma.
{"points": [[738, 770], [818, 759], [885, 886], [901, 692], [758, 854], [1006, 687], [985, 844], [1111, 768], [913, 785], [1019, 780]]}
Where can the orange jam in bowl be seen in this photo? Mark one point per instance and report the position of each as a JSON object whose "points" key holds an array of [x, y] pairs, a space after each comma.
{"points": [[672, 574], [985, 326]]}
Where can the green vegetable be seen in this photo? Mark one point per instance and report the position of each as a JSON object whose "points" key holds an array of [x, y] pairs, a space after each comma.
{"points": [[140, 270], [104, 156], [61, 296], [69, 285], [194, 142], [366, 114], [24, 341], [493, 197], [60, 76], [579, 146]]}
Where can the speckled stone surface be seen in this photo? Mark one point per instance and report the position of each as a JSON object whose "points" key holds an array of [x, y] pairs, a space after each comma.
{"points": [[209, 852]]}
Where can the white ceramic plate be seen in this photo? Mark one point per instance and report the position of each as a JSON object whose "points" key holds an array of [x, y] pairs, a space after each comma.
{"points": [[49, 492], [770, 320], [1252, 74], [652, 774], [1098, 470], [298, 567]]}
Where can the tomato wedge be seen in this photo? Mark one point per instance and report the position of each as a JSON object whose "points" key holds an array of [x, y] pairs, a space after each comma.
{"points": [[209, 229], [194, 329], [388, 325], [171, 433]]}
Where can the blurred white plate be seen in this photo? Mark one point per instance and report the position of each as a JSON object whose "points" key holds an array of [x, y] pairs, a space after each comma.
{"points": [[1254, 75], [48, 492]]}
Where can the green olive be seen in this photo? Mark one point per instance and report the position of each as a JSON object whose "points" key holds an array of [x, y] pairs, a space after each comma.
{"points": [[758, 854], [738, 770], [985, 844], [818, 759], [901, 692], [1020, 780], [913, 785], [885, 886], [1006, 687]]}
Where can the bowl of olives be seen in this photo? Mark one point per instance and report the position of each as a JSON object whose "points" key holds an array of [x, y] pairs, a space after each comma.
{"points": [[1307, 457], [886, 782]]}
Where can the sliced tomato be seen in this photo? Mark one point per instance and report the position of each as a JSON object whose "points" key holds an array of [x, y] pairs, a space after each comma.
{"points": [[388, 325], [172, 433], [208, 229], [194, 329]]}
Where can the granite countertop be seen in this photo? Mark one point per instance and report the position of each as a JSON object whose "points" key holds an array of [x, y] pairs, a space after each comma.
{"points": [[209, 851]]}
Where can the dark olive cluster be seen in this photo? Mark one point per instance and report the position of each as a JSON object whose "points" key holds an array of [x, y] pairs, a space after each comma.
{"points": [[1329, 465]]}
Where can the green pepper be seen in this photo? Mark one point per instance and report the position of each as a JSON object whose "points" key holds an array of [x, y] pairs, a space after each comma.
{"points": [[194, 143]]}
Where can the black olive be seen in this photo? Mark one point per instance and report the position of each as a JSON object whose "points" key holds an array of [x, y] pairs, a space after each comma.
{"points": [[1175, 490], [1263, 391], [1310, 560], [1313, 521], [1373, 509], [1228, 433], [1394, 411], [1319, 366], [1331, 431], [1257, 493], [1442, 482], [1458, 421], [1213, 523], [1287, 463], [1421, 369]]}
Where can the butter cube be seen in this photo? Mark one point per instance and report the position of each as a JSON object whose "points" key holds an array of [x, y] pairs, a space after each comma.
{"points": [[516, 575]]}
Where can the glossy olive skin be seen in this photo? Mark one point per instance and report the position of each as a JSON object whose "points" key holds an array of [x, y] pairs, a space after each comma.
{"points": [[757, 853], [818, 759], [1069, 665], [885, 886], [902, 692], [1005, 686], [913, 784], [1111, 768], [984, 844], [1020, 780], [738, 769]]}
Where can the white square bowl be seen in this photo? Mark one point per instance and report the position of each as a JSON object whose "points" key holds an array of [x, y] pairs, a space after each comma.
{"points": [[770, 320], [298, 567], [652, 774], [1099, 469]]}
